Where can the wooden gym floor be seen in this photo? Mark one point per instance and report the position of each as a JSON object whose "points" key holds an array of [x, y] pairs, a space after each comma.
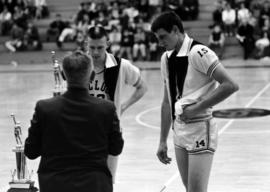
{"points": [[241, 163]]}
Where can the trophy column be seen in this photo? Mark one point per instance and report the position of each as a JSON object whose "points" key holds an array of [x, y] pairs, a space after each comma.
{"points": [[22, 182], [57, 76]]}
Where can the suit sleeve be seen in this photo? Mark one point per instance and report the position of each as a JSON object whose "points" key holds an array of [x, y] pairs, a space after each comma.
{"points": [[32, 148], [116, 141]]}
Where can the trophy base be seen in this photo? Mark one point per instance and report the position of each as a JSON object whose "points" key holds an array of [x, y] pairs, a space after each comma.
{"points": [[33, 189], [21, 184]]}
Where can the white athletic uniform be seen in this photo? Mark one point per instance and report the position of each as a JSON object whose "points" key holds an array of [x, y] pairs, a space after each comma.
{"points": [[129, 75], [198, 134]]}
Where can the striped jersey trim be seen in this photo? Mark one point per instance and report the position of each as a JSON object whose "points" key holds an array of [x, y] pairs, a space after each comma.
{"points": [[193, 152], [212, 68]]}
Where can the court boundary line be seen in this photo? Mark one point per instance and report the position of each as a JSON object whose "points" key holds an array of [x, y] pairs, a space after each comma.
{"points": [[176, 174]]}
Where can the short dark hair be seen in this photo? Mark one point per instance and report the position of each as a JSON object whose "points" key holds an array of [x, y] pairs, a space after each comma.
{"points": [[77, 65], [166, 21], [97, 32]]}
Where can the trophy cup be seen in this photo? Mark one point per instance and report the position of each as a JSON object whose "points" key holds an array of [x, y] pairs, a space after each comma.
{"points": [[23, 181], [57, 76]]}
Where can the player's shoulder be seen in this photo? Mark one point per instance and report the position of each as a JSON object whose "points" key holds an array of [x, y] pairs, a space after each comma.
{"points": [[198, 47], [127, 66], [201, 52]]}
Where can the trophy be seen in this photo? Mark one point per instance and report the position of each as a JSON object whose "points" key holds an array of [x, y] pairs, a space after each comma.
{"points": [[23, 181], [57, 76]]}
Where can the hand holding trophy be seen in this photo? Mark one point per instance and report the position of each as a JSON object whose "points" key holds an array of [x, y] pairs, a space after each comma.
{"points": [[23, 181]]}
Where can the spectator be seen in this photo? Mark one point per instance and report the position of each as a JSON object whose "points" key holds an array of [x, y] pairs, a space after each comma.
{"points": [[190, 9], [153, 47], [266, 25], [31, 37], [5, 21], [68, 32], [101, 20], [81, 31], [216, 41], [84, 9], [131, 11], [229, 18], [217, 15], [2, 5], [115, 40], [243, 13], [17, 42], [56, 27], [139, 44], [265, 12], [20, 17], [115, 10], [22, 4], [127, 43], [42, 10], [246, 38], [261, 45]]}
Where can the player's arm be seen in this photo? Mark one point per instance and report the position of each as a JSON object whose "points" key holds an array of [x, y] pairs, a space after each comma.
{"points": [[227, 86], [140, 90], [165, 127], [132, 77], [208, 63]]}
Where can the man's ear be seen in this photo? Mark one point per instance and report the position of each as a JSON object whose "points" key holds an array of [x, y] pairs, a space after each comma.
{"points": [[175, 29], [109, 43]]}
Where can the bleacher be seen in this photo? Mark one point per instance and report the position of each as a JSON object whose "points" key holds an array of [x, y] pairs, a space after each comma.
{"points": [[67, 8]]}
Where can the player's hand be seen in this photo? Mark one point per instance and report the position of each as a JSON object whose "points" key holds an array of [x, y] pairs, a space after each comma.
{"points": [[162, 153], [188, 112]]}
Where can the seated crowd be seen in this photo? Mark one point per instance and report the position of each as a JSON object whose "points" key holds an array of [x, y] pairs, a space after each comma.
{"points": [[245, 20], [16, 20], [127, 22]]}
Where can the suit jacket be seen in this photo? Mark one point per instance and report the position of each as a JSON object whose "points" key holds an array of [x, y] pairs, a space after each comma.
{"points": [[73, 133]]}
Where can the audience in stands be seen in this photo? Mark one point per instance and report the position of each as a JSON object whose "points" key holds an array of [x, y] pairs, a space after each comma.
{"points": [[243, 13], [250, 20], [115, 40], [42, 10], [229, 19], [217, 40], [31, 37], [190, 9], [131, 38], [5, 21], [55, 28], [246, 38], [139, 46], [217, 14], [127, 42], [261, 45], [17, 35]]}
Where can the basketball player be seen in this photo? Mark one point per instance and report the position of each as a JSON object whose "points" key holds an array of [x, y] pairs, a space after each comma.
{"points": [[191, 72], [111, 76]]}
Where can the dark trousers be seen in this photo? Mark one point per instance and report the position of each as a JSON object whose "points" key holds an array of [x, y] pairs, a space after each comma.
{"points": [[80, 181], [248, 46]]}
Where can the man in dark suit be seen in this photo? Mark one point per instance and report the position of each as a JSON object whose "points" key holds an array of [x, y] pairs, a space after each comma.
{"points": [[74, 133]]}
